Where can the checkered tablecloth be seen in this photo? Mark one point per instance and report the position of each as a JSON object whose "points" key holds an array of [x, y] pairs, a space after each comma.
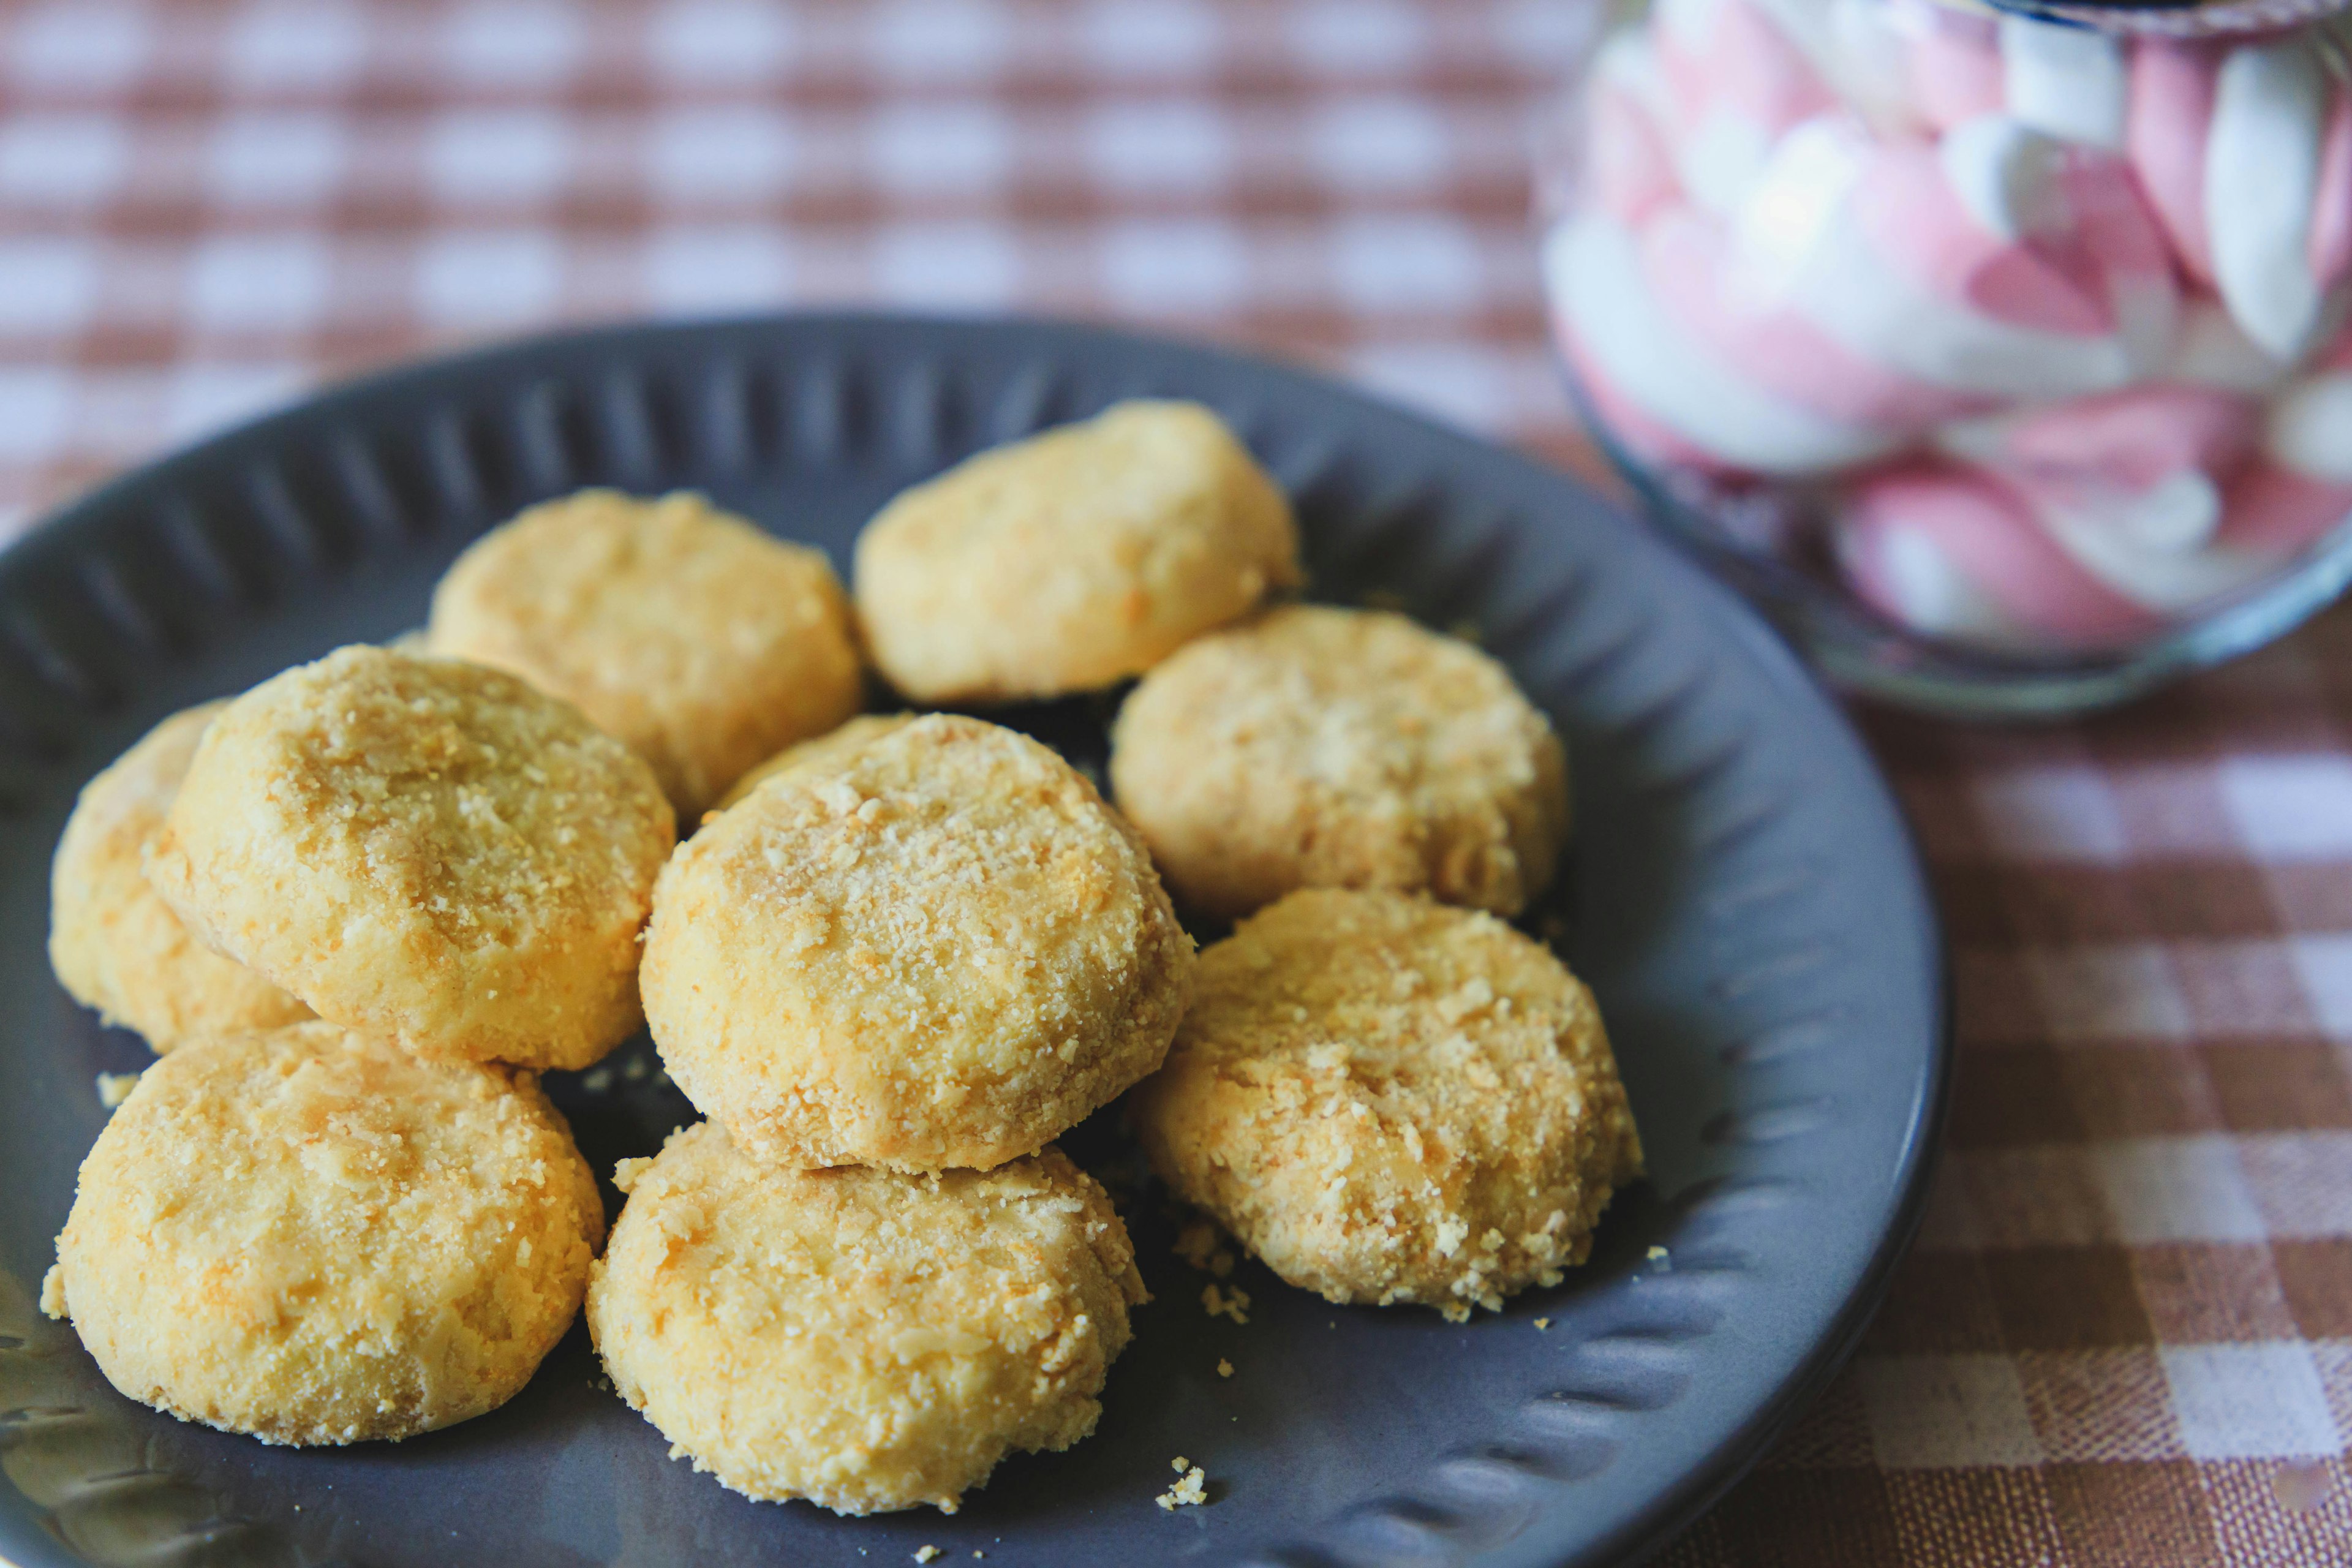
{"points": [[2126, 1338]]}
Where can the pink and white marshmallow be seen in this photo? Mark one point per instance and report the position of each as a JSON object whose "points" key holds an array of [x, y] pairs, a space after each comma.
{"points": [[1954, 550], [1629, 160], [2298, 489], [1952, 63], [1674, 382], [2246, 152], [1737, 75], [1998, 263]]}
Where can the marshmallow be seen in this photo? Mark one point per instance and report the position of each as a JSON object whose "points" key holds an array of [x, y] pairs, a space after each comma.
{"points": [[2127, 441], [2211, 349], [2246, 152], [2065, 81], [1736, 81], [1629, 160], [1953, 64], [1955, 551], [1637, 351], [1998, 263], [2300, 486]]}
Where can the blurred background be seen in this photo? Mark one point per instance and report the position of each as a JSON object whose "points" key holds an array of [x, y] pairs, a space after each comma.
{"points": [[205, 207]]}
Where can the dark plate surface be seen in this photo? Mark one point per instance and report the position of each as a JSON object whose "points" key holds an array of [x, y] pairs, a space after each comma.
{"points": [[1742, 896]]}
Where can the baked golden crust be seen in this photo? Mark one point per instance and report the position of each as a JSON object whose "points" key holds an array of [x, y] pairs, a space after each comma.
{"points": [[426, 850], [1073, 558], [1321, 747], [685, 631], [115, 946], [314, 1238], [1391, 1101], [865, 1339], [941, 950], [821, 751]]}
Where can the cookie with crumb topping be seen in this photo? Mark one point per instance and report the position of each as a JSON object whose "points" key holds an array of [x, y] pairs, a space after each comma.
{"points": [[1316, 747], [865, 1339], [1388, 1099], [682, 629], [316, 1237], [425, 849], [942, 950], [118, 947], [1074, 558]]}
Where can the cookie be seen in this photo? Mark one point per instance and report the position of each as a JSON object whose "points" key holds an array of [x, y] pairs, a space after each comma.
{"points": [[315, 1238], [425, 849], [824, 751], [115, 946], [1073, 558], [1317, 747], [942, 950], [863, 1339], [681, 629], [1388, 1099]]}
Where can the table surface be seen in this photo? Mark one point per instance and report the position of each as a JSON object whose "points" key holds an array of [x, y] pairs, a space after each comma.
{"points": [[2126, 1336]]}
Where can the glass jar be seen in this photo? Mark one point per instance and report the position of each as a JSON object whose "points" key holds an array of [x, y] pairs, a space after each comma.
{"points": [[2002, 356]]}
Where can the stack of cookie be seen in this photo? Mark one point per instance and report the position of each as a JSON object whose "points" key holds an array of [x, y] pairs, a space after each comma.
{"points": [[362, 905]]}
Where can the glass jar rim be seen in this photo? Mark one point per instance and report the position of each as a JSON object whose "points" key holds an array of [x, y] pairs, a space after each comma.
{"points": [[2165, 18]]}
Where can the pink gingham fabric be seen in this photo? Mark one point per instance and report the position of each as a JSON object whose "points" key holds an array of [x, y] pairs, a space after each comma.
{"points": [[2126, 1337]]}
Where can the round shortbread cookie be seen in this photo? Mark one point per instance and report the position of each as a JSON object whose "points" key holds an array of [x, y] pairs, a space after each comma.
{"points": [[425, 849], [118, 947], [1388, 1099], [1073, 558], [941, 950], [822, 751], [684, 630], [1317, 747], [862, 1339], [315, 1238]]}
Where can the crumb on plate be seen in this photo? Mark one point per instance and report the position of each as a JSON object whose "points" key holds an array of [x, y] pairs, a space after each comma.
{"points": [[1190, 1490], [114, 1088], [1201, 1245], [1234, 1303]]}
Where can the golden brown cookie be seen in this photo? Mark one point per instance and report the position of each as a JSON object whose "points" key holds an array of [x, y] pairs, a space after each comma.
{"points": [[684, 630], [315, 1238], [1391, 1101], [865, 1339], [1073, 558], [942, 950], [426, 850], [825, 750], [115, 945], [1317, 748]]}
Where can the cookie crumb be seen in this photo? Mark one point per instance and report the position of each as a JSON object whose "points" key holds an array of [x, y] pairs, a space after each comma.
{"points": [[597, 1080], [1662, 1258], [1544, 1324], [924, 1553], [1191, 1489], [1225, 1367], [1234, 1303], [114, 1088], [1200, 1245]]}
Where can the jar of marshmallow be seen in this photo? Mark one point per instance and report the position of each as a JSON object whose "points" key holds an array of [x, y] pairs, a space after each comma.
{"points": [[2001, 354]]}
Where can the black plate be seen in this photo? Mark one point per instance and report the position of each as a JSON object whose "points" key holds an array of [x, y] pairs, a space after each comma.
{"points": [[1743, 898]]}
